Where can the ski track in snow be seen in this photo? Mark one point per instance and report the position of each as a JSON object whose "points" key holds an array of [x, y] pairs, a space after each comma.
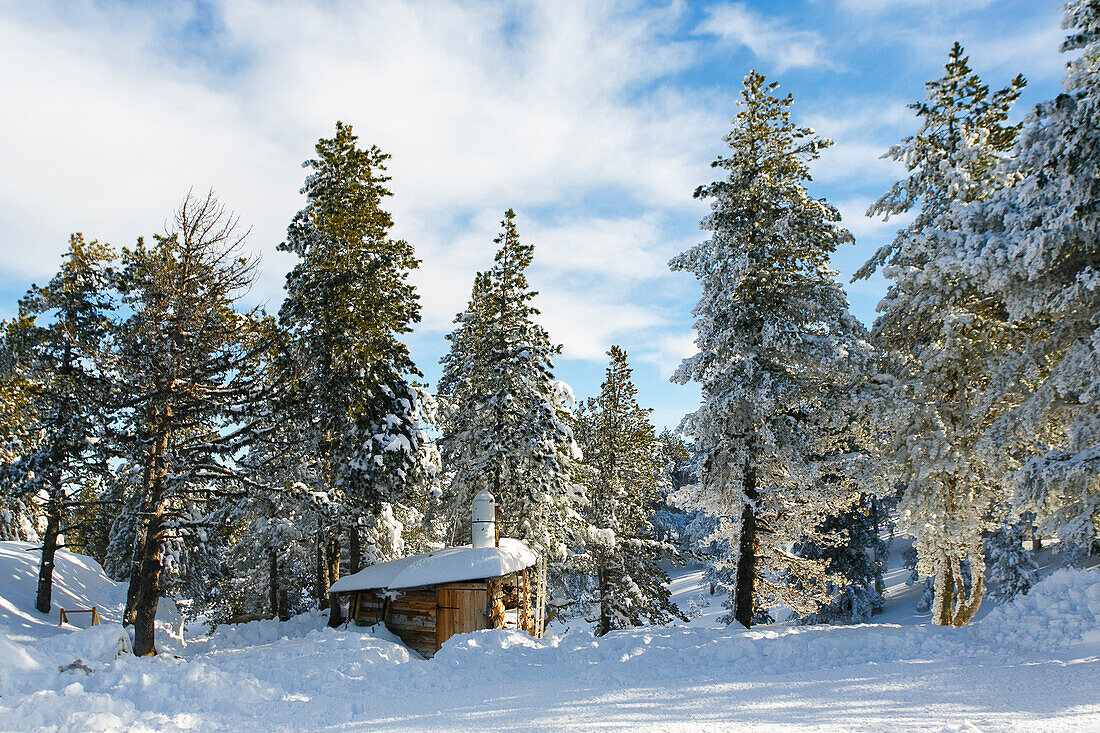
{"points": [[299, 675]]}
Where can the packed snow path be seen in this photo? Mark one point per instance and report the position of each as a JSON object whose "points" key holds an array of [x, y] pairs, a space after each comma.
{"points": [[293, 677], [1032, 665]]}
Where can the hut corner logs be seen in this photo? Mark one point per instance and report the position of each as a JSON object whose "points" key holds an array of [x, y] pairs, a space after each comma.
{"points": [[426, 599]]}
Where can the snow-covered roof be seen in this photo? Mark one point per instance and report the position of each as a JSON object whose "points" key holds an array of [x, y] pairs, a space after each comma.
{"points": [[449, 565]]}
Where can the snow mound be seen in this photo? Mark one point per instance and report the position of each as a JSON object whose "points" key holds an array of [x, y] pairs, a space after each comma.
{"points": [[1060, 612], [78, 582], [266, 631]]}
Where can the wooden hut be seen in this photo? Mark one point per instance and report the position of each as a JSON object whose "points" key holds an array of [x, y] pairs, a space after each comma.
{"points": [[426, 599]]}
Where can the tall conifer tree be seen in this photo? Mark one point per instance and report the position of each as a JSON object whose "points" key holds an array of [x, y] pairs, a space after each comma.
{"points": [[1035, 245], [625, 470], [348, 304], [942, 333], [64, 332], [775, 339], [188, 362], [504, 418]]}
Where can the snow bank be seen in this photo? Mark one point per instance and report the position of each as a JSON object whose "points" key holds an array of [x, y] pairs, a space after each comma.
{"points": [[78, 582], [16, 661], [1059, 612]]}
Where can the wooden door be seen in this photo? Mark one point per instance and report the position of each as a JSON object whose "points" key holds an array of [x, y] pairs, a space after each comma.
{"points": [[462, 608]]}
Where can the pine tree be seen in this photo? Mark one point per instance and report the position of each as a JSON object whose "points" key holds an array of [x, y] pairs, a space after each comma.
{"points": [[1012, 569], [942, 334], [774, 337], [63, 331], [17, 436], [348, 303], [670, 522], [190, 364], [859, 559], [1034, 246], [504, 418], [624, 460]]}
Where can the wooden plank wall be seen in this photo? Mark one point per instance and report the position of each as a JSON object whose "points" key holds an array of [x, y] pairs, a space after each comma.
{"points": [[424, 618], [412, 615], [368, 608]]}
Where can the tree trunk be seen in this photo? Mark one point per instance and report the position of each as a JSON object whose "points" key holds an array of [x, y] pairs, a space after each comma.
{"points": [[150, 587], [744, 591], [604, 625], [355, 548], [273, 582], [152, 540], [332, 557], [284, 605], [955, 607], [49, 549], [320, 588], [944, 588], [335, 613], [129, 615]]}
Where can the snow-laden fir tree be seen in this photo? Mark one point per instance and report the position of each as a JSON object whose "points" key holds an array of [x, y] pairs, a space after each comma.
{"points": [[271, 553], [63, 333], [348, 304], [1036, 247], [1011, 567], [775, 339], [684, 529], [858, 557], [623, 459], [17, 511], [944, 337], [504, 418], [189, 364]]}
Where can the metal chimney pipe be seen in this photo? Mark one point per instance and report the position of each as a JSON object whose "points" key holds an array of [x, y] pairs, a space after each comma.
{"points": [[483, 526]]}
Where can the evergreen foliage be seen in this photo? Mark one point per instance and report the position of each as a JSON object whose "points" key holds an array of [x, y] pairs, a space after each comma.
{"points": [[858, 558], [942, 334], [775, 339], [188, 363], [348, 302], [1012, 569], [624, 460], [1034, 245], [504, 418], [60, 342]]}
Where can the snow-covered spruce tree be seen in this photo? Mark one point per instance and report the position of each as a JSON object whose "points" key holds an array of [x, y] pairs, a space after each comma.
{"points": [[1036, 246], [188, 362], [670, 522], [504, 419], [943, 335], [1012, 569], [348, 303], [17, 437], [271, 552], [624, 460], [859, 558], [774, 337], [63, 333]]}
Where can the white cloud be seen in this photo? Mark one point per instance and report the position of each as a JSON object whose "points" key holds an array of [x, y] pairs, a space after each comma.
{"points": [[769, 39], [482, 106], [880, 7]]}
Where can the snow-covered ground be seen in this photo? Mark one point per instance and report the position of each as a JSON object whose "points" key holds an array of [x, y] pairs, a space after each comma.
{"points": [[1034, 665]]}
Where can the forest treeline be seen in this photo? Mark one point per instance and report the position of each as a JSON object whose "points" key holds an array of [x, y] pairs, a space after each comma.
{"points": [[242, 461]]}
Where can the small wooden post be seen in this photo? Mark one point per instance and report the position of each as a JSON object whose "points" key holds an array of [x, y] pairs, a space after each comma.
{"points": [[526, 623], [64, 616], [540, 597]]}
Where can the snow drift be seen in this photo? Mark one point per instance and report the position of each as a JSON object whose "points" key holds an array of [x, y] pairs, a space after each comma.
{"points": [[1060, 612]]}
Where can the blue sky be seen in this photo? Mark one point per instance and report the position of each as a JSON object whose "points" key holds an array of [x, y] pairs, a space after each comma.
{"points": [[595, 121]]}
